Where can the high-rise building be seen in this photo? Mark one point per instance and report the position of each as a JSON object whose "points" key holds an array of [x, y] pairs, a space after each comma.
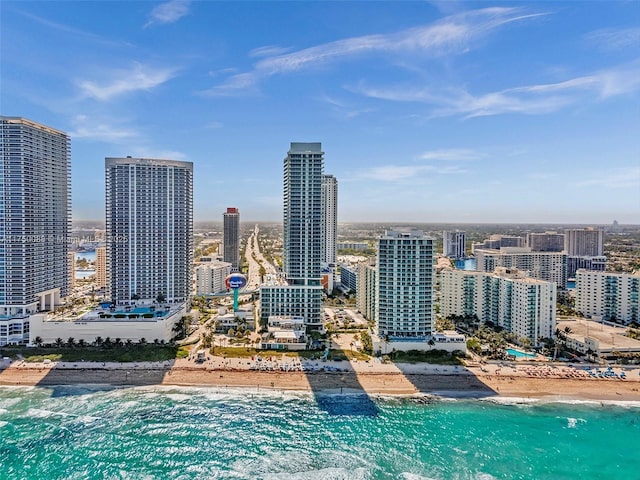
{"points": [[545, 242], [231, 238], [210, 277], [366, 292], [548, 266], [330, 218], [608, 295], [404, 304], [585, 249], [35, 220], [101, 267], [453, 244], [71, 258], [302, 294], [584, 242], [303, 213], [506, 297], [149, 226]]}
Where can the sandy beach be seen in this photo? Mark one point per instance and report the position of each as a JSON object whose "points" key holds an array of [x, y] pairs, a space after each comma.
{"points": [[489, 380]]}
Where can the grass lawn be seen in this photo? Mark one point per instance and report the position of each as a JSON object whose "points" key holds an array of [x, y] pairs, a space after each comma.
{"points": [[247, 352], [134, 353], [437, 357]]}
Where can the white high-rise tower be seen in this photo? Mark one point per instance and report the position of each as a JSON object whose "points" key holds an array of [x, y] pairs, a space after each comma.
{"points": [[303, 241], [35, 220], [150, 229], [404, 303], [330, 218]]}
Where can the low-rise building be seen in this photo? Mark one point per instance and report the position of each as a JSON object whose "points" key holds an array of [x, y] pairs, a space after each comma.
{"points": [[596, 338], [284, 333], [151, 322], [449, 340]]}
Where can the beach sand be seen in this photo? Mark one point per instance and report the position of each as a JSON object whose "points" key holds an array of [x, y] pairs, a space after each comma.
{"points": [[521, 381]]}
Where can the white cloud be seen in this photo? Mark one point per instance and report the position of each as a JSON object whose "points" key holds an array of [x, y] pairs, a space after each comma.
{"points": [[168, 12], [531, 99], [394, 173], [89, 128], [454, 34], [452, 154], [268, 51], [614, 39], [139, 77], [620, 178]]}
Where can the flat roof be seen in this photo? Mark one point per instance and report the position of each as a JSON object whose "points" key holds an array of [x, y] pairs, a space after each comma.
{"points": [[609, 337]]}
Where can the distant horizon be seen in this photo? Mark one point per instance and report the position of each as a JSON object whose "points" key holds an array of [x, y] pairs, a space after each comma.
{"points": [[400, 223]]}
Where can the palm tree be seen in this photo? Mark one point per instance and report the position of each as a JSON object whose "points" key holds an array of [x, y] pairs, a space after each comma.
{"points": [[82, 343], [38, 341], [59, 342], [98, 341]]}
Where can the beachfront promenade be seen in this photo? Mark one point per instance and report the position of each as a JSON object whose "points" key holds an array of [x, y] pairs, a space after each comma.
{"points": [[512, 379]]}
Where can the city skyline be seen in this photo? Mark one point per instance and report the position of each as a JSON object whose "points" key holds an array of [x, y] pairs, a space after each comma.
{"points": [[430, 112]]}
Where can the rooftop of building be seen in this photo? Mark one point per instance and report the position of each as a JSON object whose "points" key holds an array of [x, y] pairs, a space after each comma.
{"points": [[610, 338], [106, 312]]}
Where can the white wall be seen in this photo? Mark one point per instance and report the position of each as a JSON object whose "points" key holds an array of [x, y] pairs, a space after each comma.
{"points": [[133, 330]]}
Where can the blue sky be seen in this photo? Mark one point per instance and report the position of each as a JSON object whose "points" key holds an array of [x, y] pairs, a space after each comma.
{"points": [[427, 111]]}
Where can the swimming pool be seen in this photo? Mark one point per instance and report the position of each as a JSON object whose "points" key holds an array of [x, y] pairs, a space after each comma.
{"points": [[519, 354]]}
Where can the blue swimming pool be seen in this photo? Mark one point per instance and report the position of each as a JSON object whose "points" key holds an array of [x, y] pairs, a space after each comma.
{"points": [[519, 354]]}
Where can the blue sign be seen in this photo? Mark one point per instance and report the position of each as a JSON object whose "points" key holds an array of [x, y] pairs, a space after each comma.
{"points": [[235, 281]]}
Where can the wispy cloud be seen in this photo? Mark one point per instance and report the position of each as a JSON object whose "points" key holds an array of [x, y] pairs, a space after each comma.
{"points": [[89, 128], [619, 178], [532, 99], [268, 51], [614, 39], [168, 12], [452, 154], [139, 77], [395, 173], [60, 27], [452, 35]]}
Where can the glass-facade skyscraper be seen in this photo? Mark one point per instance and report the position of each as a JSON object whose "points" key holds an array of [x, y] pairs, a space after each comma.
{"points": [[149, 229], [330, 218], [231, 238], [35, 219], [303, 241]]}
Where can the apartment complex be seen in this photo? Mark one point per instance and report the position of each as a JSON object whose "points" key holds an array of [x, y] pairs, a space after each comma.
{"points": [[101, 267], [366, 291], [330, 218], [608, 296], [149, 224], [453, 244], [210, 277], [506, 297], [231, 238], [545, 242], [496, 242], [585, 249], [303, 241], [584, 242], [405, 282], [547, 266], [35, 220]]}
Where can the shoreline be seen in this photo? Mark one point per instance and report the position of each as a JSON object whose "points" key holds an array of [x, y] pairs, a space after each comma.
{"points": [[495, 382]]}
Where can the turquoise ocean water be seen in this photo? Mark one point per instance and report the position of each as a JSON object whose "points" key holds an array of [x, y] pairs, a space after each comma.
{"points": [[196, 433]]}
